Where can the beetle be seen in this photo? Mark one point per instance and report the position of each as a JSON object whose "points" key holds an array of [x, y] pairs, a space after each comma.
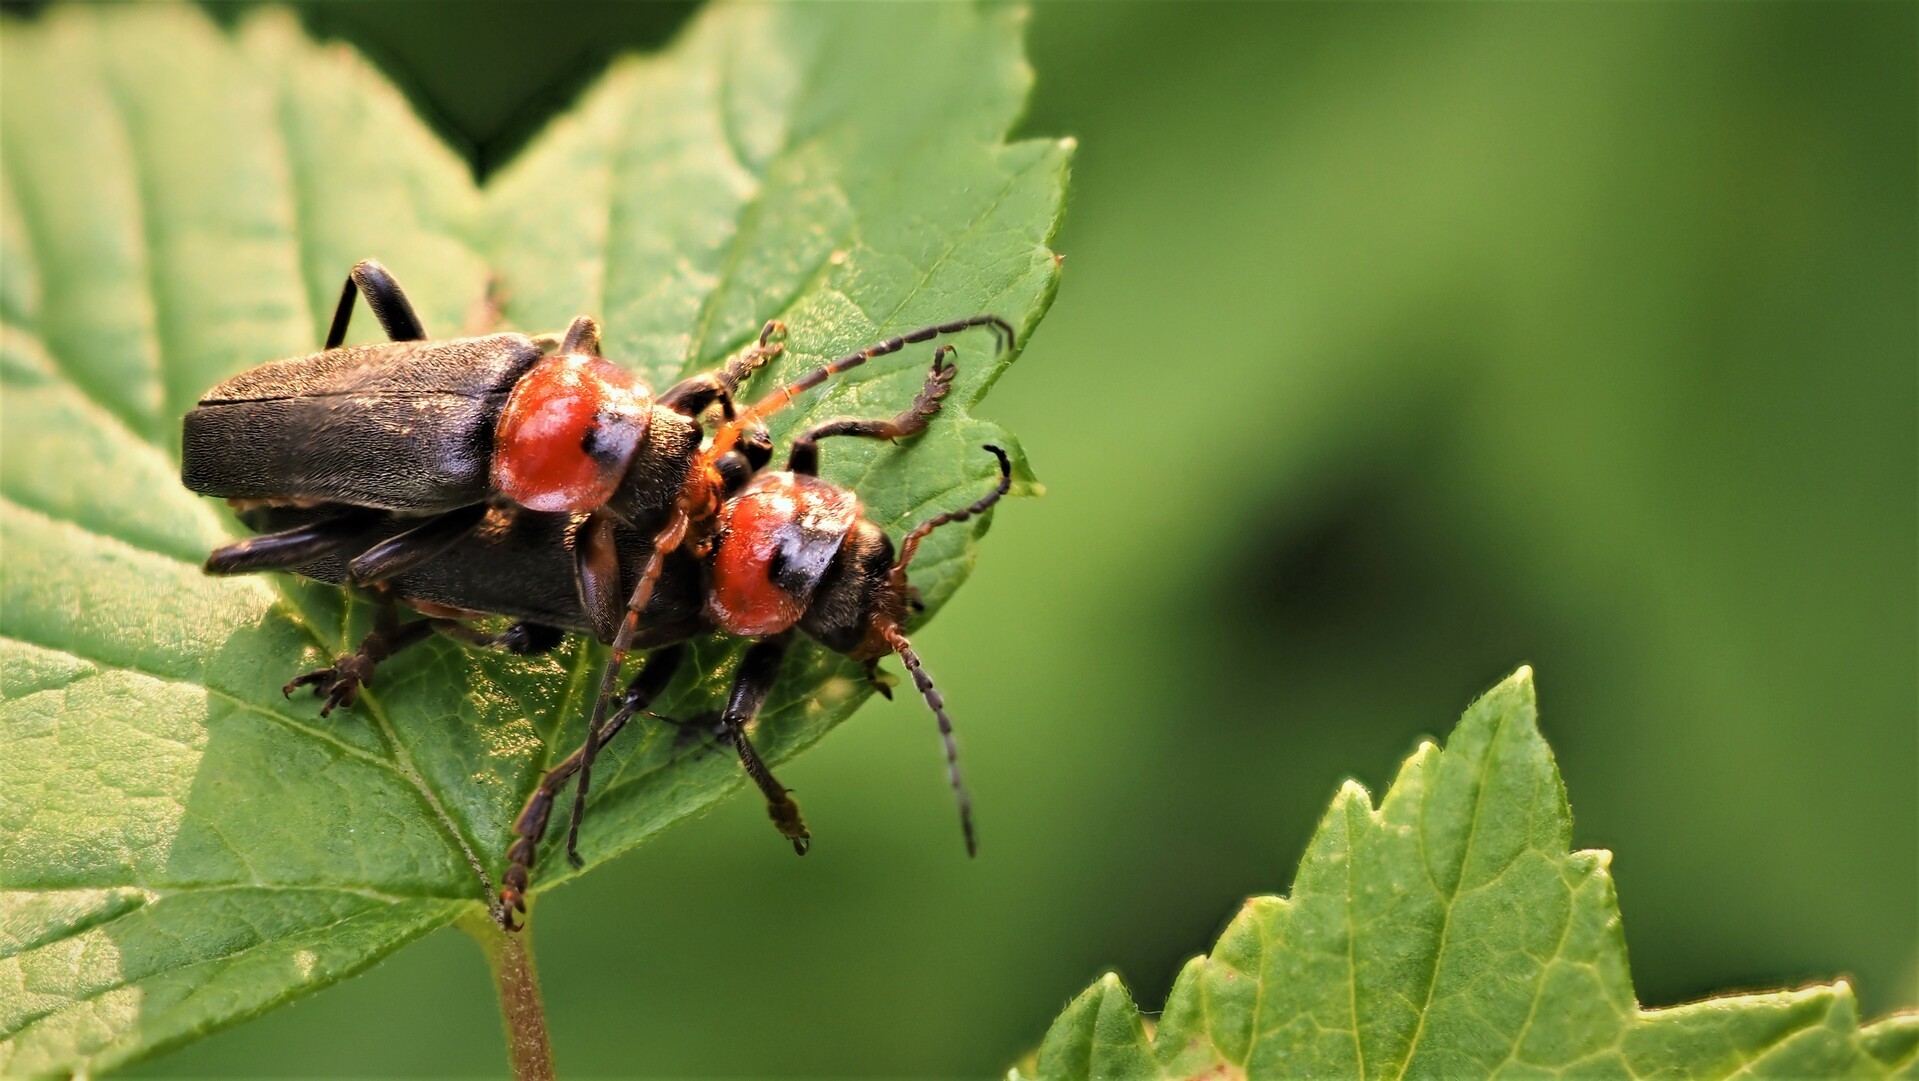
{"points": [[793, 553], [443, 433]]}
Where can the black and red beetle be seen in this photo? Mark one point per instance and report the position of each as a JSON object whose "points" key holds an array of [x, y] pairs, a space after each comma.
{"points": [[444, 432], [490, 476], [793, 554]]}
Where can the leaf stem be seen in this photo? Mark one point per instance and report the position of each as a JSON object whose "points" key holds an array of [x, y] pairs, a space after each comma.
{"points": [[510, 956]]}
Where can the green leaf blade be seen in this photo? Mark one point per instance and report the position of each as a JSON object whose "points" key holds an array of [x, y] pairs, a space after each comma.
{"points": [[150, 975], [212, 849], [1450, 933]]}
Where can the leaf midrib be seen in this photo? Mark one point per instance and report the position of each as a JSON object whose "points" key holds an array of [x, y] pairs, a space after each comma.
{"points": [[1481, 782]]}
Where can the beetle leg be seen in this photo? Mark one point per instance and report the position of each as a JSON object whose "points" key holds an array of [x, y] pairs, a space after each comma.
{"points": [[879, 679], [530, 827], [340, 685], [759, 670], [596, 569], [668, 538], [403, 551], [522, 639], [383, 294], [691, 396], [702, 730], [805, 456], [288, 547], [740, 366]]}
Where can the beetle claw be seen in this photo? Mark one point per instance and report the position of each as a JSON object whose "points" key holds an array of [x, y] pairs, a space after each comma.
{"points": [[786, 818], [339, 685], [511, 902]]}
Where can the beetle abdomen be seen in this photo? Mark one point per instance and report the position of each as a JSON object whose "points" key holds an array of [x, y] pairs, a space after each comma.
{"points": [[398, 425]]}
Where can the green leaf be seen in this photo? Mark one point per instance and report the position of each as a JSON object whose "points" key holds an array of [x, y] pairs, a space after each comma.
{"points": [[1451, 933], [179, 846]]}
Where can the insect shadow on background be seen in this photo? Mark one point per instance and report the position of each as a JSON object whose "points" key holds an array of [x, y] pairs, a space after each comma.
{"points": [[527, 476]]}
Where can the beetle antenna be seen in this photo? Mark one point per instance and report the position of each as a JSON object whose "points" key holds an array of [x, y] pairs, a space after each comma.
{"points": [[924, 682], [724, 438], [911, 545]]}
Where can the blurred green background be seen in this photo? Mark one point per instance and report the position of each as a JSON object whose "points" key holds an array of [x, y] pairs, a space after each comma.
{"points": [[1398, 345]]}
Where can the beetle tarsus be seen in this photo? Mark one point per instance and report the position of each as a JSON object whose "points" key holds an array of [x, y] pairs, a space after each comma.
{"points": [[512, 901], [880, 680], [786, 819], [339, 685]]}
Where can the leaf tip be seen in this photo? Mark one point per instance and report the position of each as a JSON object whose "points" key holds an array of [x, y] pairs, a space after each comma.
{"points": [[273, 20], [1519, 689], [1352, 792], [1515, 699]]}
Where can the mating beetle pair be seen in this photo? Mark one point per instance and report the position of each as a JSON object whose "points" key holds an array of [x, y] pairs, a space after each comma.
{"points": [[531, 478]]}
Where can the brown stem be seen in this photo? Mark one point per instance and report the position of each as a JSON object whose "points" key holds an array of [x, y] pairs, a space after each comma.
{"points": [[510, 956]]}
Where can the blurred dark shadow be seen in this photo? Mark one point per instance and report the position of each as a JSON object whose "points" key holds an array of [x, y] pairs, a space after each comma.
{"points": [[487, 74]]}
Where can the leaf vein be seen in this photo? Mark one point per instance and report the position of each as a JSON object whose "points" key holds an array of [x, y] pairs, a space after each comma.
{"points": [[28, 1020], [148, 246], [403, 760], [1480, 784], [225, 696]]}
